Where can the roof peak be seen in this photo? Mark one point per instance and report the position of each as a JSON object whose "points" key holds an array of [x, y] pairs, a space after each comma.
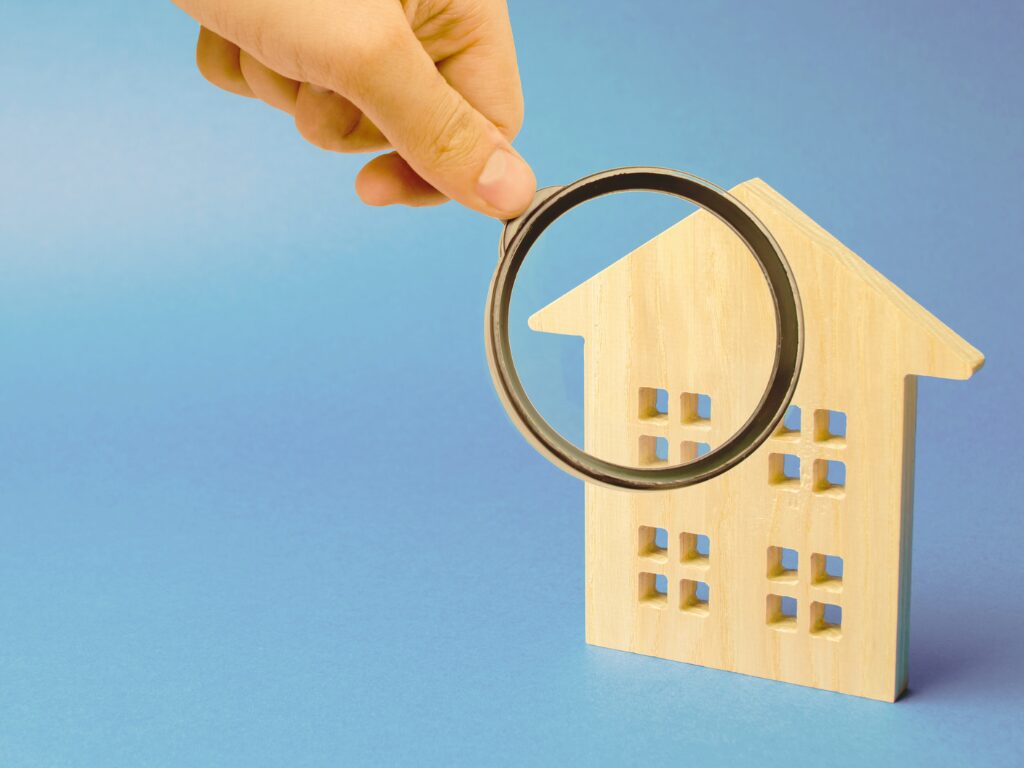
{"points": [[952, 356]]}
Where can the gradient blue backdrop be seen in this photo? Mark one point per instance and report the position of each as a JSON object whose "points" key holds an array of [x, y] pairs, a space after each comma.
{"points": [[215, 361]]}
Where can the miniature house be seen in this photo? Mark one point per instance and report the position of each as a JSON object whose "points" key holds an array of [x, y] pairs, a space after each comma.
{"points": [[795, 565]]}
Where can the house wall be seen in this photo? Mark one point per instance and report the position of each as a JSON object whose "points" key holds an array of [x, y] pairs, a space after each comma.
{"points": [[690, 313]]}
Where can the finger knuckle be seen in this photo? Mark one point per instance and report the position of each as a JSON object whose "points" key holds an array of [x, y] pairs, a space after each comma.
{"points": [[346, 58], [209, 71], [208, 64], [314, 129], [451, 135], [367, 49], [326, 128]]}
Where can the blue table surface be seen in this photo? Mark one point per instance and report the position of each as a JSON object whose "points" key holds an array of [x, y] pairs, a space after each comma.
{"points": [[258, 502]]}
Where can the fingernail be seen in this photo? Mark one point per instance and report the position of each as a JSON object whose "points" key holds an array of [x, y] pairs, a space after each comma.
{"points": [[506, 182]]}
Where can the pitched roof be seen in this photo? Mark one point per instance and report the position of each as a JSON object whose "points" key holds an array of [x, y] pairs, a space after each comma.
{"points": [[954, 358]]}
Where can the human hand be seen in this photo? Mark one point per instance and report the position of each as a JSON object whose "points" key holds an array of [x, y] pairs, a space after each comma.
{"points": [[434, 80]]}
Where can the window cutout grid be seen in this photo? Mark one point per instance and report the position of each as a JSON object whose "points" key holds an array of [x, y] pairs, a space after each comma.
{"points": [[694, 549], [653, 404], [653, 450], [654, 589], [653, 544], [783, 565], [829, 477], [830, 427], [826, 620], [827, 572], [784, 470], [695, 409], [690, 450], [789, 428], [694, 596], [781, 613]]}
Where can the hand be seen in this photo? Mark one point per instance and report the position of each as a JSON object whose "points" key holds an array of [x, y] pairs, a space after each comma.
{"points": [[436, 80]]}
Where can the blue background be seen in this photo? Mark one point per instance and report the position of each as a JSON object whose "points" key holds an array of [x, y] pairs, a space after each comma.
{"points": [[215, 363]]}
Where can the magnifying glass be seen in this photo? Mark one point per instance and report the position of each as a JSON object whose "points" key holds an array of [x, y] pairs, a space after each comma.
{"points": [[520, 234]]}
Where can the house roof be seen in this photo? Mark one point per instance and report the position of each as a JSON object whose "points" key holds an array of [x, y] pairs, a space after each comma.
{"points": [[950, 355]]}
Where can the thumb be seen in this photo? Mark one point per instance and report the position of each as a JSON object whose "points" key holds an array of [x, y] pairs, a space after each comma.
{"points": [[437, 132]]}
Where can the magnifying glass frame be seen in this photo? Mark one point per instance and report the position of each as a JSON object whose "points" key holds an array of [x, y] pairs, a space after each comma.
{"points": [[519, 236]]}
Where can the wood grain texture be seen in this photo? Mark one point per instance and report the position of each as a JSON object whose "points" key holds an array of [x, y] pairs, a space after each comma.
{"points": [[689, 313]]}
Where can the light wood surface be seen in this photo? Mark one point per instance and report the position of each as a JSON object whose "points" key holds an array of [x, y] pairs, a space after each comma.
{"points": [[689, 313]]}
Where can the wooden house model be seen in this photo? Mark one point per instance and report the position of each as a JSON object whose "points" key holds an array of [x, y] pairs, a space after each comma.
{"points": [[795, 565]]}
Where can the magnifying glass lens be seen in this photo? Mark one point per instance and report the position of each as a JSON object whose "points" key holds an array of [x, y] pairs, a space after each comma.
{"points": [[646, 334]]}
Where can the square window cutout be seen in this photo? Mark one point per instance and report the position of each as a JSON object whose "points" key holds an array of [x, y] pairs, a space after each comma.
{"points": [[695, 408], [783, 565], [829, 477], [690, 450], [694, 596], [694, 549], [653, 450], [790, 426], [829, 426], [781, 613], [653, 543], [784, 470], [827, 572], [653, 404], [826, 620], [654, 589]]}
